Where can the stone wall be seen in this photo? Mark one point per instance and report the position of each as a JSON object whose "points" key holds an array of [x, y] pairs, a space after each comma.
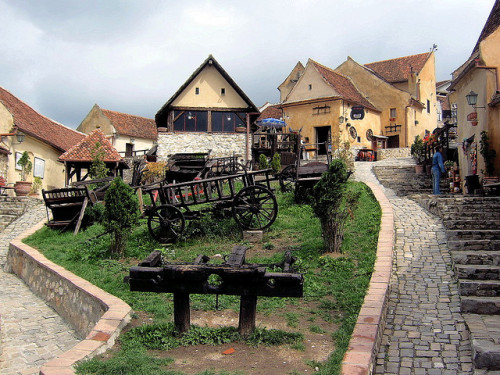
{"points": [[57, 292], [221, 144], [393, 153]]}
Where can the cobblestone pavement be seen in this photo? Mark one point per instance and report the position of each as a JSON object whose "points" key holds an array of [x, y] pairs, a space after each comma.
{"points": [[31, 332], [425, 332]]}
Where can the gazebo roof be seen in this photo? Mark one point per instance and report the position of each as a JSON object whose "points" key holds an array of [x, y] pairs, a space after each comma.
{"points": [[83, 150]]}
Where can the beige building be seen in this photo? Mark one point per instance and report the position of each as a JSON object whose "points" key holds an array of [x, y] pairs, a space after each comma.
{"points": [[479, 76], [44, 140], [208, 112], [397, 99], [129, 134]]}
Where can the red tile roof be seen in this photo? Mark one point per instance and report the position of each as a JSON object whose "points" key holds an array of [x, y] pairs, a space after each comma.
{"points": [[3, 150], [399, 69], [82, 151], [273, 111], [445, 104], [133, 126], [35, 125], [342, 85]]}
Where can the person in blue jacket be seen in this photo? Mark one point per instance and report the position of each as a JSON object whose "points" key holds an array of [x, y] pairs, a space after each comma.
{"points": [[437, 169]]}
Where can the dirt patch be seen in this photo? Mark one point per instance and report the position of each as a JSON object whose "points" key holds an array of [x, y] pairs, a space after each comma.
{"points": [[276, 360]]}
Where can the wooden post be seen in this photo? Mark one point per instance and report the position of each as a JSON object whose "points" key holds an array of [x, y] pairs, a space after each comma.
{"points": [[248, 308], [182, 313]]}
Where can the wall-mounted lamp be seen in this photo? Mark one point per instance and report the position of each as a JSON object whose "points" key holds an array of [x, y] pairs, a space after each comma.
{"points": [[472, 99], [19, 135], [190, 116], [132, 140], [341, 119]]}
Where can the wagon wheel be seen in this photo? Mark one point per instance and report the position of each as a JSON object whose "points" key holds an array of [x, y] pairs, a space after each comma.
{"points": [[166, 223], [287, 178], [255, 207]]}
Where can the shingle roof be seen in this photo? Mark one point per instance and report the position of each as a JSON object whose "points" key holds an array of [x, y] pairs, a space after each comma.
{"points": [[492, 23], [34, 124], [134, 126], [82, 151], [399, 69], [273, 111], [342, 85]]}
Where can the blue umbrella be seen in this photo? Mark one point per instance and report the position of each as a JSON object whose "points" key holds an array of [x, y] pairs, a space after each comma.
{"points": [[271, 123]]}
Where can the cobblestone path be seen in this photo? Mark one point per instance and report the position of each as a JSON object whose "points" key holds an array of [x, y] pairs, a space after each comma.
{"points": [[31, 333], [425, 332]]}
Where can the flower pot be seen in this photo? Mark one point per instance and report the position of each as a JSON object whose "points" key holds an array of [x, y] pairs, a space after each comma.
{"points": [[419, 169], [22, 188], [240, 129]]}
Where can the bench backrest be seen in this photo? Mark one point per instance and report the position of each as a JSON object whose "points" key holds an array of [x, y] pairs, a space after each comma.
{"points": [[66, 195]]}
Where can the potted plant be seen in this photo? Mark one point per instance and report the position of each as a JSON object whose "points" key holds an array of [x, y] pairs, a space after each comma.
{"points": [[35, 187], [23, 187], [418, 153]]}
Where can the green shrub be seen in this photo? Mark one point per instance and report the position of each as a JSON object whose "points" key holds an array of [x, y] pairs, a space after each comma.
{"points": [[263, 162], [276, 163], [121, 214], [327, 204]]}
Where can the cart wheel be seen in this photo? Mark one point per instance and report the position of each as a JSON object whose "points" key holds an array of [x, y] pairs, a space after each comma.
{"points": [[255, 207], [287, 178], [166, 223]]}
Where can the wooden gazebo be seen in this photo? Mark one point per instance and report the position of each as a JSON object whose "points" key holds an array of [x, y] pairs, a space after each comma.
{"points": [[78, 159]]}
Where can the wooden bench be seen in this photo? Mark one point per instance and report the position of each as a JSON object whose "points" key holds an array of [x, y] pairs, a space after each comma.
{"points": [[67, 206]]}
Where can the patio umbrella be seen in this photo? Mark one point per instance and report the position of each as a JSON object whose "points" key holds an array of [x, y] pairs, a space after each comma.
{"points": [[271, 123]]}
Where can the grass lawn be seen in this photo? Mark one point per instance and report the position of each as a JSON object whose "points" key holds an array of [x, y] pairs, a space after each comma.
{"points": [[334, 288]]}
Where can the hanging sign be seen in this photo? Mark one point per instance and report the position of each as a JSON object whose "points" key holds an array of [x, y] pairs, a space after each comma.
{"points": [[357, 112], [472, 116]]}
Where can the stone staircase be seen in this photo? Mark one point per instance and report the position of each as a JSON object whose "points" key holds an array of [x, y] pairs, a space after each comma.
{"points": [[13, 207], [473, 230], [404, 181]]}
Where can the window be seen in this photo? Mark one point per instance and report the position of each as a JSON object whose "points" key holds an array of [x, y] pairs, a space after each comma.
{"points": [[223, 91], [227, 121], [18, 156], [393, 113], [197, 91], [39, 169], [129, 150], [310, 87], [428, 106], [190, 121]]}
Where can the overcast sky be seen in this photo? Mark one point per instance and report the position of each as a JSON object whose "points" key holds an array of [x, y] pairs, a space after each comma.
{"points": [[63, 56]]}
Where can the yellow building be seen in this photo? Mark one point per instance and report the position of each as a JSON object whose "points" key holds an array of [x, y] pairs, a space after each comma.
{"points": [[398, 97], [403, 89], [44, 140], [479, 76], [320, 106], [129, 134]]}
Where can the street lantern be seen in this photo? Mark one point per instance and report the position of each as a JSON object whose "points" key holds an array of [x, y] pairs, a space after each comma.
{"points": [[471, 98]]}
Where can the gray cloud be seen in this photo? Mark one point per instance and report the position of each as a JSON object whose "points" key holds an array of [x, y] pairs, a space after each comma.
{"points": [[62, 56]]}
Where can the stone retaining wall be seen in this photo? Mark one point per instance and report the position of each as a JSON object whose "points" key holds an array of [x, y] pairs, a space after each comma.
{"points": [[96, 315], [393, 153], [221, 144]]}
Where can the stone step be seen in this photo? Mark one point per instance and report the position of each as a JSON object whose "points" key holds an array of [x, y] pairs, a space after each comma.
{"points": [[479, 288], [485, 245], [480, 305], [473, 234], [477, 272], [485, 341], [491, 258], [455, 224]]}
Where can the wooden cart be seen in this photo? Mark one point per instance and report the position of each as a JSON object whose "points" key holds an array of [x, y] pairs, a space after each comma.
{"points": [[246, 196]]}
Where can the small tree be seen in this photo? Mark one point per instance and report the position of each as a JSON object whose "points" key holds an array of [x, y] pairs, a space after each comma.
{"points": [[487, 153], [327, 204], [122, 212], [98, 167], [25, 163], [263, 163], [276, 163], [418, 150]]}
